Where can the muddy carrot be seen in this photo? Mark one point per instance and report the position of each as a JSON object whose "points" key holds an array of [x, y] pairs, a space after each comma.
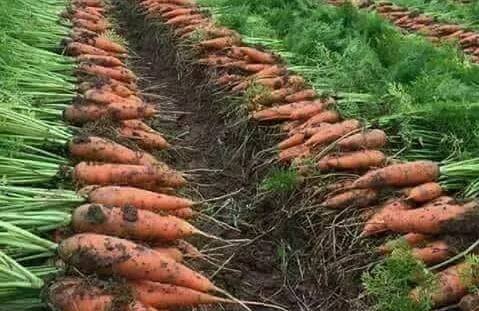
{"points": [[451, 285], [257, 56], [397, 175], [115, 196], [125, 174], [376, 223], [366, 140], [137, 125], [339, 185], [299, 151], [102, 60], [333, 132], [469, 302], [271, 71], [109, 86], [91, 148], [427, 220], [150, 140], [253, 67], [114, 256], [178, 12], [307, 94], [83, 113], [425, 192], [352, 198], [170, 252], [77, 48], [328, 116], [433, 252], [411, 239], [129, 222], [291, 141], [356, 160], [103, 97], [117, 73], [98, 26], [309, 110], [182, 19], [219, 43]]}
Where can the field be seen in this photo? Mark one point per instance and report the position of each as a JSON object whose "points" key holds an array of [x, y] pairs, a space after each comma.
{"points": [[239, 155]]}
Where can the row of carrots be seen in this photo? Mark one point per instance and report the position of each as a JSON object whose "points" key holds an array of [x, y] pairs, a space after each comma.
{"points": [[468, 40], [419, 208], [129, 227]]}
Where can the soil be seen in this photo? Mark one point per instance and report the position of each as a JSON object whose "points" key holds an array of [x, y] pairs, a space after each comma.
{"points": [[222, 153]]}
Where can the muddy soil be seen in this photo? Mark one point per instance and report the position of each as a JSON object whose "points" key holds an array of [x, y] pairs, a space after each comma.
{"points": [[221, 152]]}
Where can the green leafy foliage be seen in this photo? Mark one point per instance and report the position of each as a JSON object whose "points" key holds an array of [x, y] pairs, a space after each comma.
{"points": [[280, 179]]}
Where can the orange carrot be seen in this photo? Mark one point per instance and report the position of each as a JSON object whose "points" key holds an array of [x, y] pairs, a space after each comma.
{"points": [[427, 220], [103, 97], [432, 253], [309, 111], [83, 113], [410, 239], [117, 73], [368, 140], [77, 48], [291, 126], [333, 132], [219, 43], [161, 295], [356, 160], [93, 148], [256, 56], [92, 3], [282, 81], [299, 151], [184, 213], [98, 26], [137, 125], [79, 13], [114, 256], [328, 116], [102, 60], [283, 111], [182, 19], [170, 252], [96, 11], [452, 284], [271, 71], [253, 67], [275, 95], [440, 201], [397, 175], [352, 198], [129, 222], [106, 86], [178, 12], [126, 174], [425, 192], [307, 94], [101, 43], [114, 196], [151, 140], [339, 185], [291, 141], [82, 295], [376, 224]]}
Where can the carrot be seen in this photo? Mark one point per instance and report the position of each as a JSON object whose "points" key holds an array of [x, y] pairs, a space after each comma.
{"points": [[101, 43], [376, 224], [82, 15], [117, 73], [137, 125], [83, 113], [299, 151], [161, 295], [274, 96], [82, 295], [108, 86], [426, 220], [367, 140], [170, 252], [398, 175], [97, 11], [282, 81], [291, 141], [410, 239], [253, 67], [356, 160], [257, 56], [271, 71], [103, 97], [218, 43], [440, 201], [425, 192], [307, 94], [182, 19], [126, 174], [328, 116], [129, 222], [102, 60], [309, 110], [184, 213], [333, 132], [452, 284], [115, 196], [77, 48], [93, 148], [352, 198], [98, 26], [114, 256], [178, 12], [151, 140], [291, 126], [284, 111], [339, 185], [432, 253]]}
